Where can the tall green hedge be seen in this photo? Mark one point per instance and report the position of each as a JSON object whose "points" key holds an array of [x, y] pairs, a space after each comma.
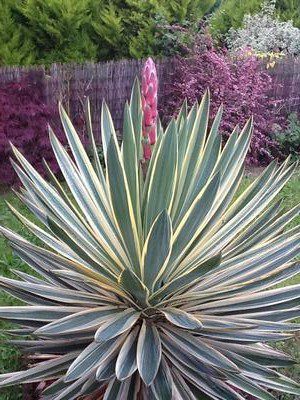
{"points": [[289, 9], [47, 31]]}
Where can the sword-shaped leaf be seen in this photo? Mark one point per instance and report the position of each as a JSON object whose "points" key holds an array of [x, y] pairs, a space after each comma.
{"points": [[121, 203], [130, 161], [42, 370], [148, 352], [163, 384], [117, 324], [126, 362], [181, 318], [156, 249], [137, 116], [90, 357], [79, 321], [162, 179]]}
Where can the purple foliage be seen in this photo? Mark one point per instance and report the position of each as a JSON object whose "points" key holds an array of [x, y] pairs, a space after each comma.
{"points": [[24, 119], [23, 122], [240, 83]]}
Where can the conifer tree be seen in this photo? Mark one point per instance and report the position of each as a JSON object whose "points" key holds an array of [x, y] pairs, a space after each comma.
{"points": [[58, 29], [47, 31], [15, 47]]}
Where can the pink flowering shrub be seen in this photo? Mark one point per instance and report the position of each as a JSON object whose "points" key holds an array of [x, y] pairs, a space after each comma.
{"points": [[240, 83]]}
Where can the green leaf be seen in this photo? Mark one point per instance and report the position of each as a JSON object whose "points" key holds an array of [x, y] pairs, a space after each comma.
{"points": [[83, 251], [157, 249], [193, 221], [39, 372], [79, 321], [181, 318], [131, 165], [91, 356], [57, 208], [270, 228], [116, 324], [72, 391], [182, 388], [199, 349], [95, 156], [106, 370], [95, 184], [148, 352], [126, 362], [137, 116], [117, 390], [40, 313], [163, 384], [162, 178], [62, 295], [91, 386], [248, 386], [261, 354], [121, 203], [188, 279], [186, 362], [55, 388], [207, 165], [193, 152], [135, 287], [97, 217], [108, 132], [228, 229], [279, 383], [254, 300]]}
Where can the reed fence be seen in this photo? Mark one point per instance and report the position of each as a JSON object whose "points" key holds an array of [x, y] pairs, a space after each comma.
{"points": [[113, 80], [286, 78], [72, 83]]}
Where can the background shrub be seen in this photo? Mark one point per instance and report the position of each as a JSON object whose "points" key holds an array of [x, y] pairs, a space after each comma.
{"points": [[15, 48], [239, 83], [230, 14], [24, 119], [289, 137], [264, 32], [289, 10], [57, 30], [44, 32]]}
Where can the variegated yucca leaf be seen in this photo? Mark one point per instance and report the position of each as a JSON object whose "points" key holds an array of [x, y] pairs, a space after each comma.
{"points": [[158, 285]]}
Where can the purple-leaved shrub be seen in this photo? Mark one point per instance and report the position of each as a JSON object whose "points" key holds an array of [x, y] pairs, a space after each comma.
{"points": [[23, 122], [24, 119], [240, 83]]}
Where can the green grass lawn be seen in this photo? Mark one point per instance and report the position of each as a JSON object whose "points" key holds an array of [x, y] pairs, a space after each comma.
{"points": [[10, 358]]}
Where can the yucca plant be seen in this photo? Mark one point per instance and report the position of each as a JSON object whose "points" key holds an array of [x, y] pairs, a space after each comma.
{"points": [[156, 287]]}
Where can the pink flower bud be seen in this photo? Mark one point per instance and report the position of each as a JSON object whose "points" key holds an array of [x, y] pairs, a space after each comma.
{"points": [[147, 118], [149, 105], [147, 151], [152, 135]]}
